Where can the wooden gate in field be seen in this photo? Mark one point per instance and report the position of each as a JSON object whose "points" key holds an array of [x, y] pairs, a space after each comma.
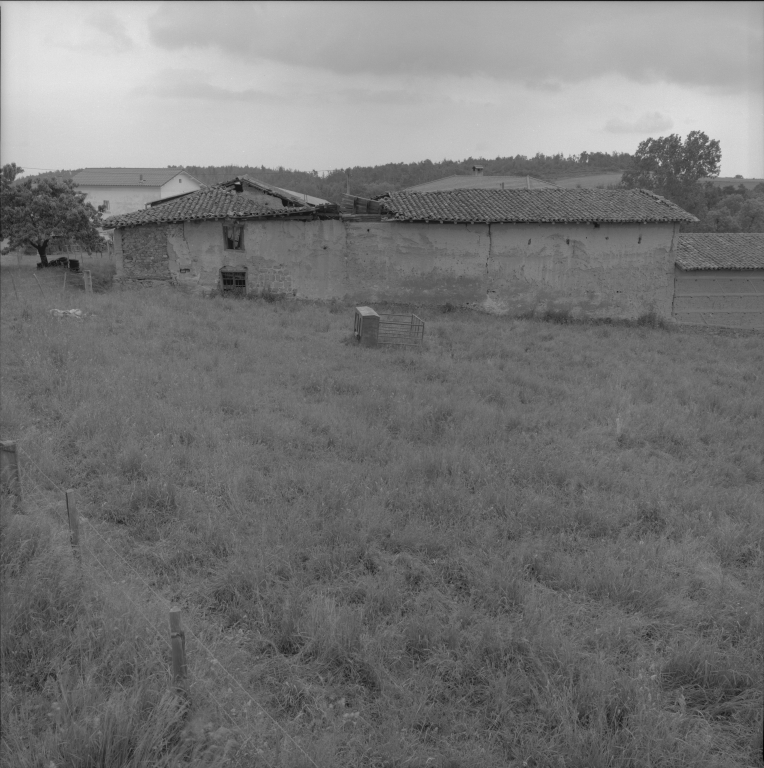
{"points": [[400, 329], [371, 328]]}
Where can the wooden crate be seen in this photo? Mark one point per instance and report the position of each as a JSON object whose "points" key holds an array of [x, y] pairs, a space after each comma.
{"points": [[366, 326]]}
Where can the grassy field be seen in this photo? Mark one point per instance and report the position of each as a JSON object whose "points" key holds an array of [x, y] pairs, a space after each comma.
{"points": [[524, 544]]}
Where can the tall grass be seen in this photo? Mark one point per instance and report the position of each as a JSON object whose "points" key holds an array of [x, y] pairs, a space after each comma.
{"points": [[524, 543]]}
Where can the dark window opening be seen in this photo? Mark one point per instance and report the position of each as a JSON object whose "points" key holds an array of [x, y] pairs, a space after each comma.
{"points": [[233, 236], [233, 282]]}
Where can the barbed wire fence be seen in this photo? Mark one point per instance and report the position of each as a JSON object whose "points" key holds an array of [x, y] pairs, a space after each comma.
{"points": [[36, 493]]}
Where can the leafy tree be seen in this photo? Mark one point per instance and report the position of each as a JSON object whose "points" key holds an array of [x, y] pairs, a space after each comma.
{"points": [[36, 210], [667, 162], [672, 168], [9, 174], [751, 216], [737, 213]]}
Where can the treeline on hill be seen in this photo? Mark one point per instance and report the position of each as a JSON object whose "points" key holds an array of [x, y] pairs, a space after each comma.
{"points": [[371, 181]]}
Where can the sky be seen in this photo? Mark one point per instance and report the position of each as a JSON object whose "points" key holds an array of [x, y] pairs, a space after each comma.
{"points": [[325, 85]]}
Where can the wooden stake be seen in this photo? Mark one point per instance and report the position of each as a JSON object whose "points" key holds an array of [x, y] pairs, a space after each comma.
{"points": [[14, 289], [178, 640], [38, 285], [74, 522], [63, 291], [88, 278], [10, 471]]}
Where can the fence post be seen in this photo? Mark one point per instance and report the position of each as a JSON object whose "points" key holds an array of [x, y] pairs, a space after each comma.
{"points": [[74, 522], [88, 278], [38, 285], [10, 471], [178, 640]]}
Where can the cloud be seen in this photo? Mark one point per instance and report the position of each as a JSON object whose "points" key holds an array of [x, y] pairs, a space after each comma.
{"points": [[544, 45], [650, 122], [397, 97], [109, 26], [187, 84]]}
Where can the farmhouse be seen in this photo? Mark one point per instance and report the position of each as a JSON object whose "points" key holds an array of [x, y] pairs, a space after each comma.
{"points": [[600, 253], [719, 280], [213, 238], [123, 190]]}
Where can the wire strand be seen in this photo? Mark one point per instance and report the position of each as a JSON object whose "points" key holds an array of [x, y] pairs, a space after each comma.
{"points": [[124, 594], [188, 630]]}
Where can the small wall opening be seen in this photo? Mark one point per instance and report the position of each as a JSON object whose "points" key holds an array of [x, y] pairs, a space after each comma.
{"points": [[233, 236], [233, 281]]}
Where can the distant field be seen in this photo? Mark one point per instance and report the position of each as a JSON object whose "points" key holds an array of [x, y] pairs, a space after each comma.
{"points": [[611, 179], [590, 182], [729, 181], [524, 544]]}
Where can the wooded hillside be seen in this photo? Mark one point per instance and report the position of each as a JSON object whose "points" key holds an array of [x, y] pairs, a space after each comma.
{"points": [[720, 209], [370, 181]]}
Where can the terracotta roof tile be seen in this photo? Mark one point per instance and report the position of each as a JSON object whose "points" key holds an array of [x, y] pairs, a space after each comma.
{"points": [[721, 251], [466, 206], [203, 205], [127, 177]]}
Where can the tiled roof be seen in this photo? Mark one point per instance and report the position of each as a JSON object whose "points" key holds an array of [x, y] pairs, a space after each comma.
{"points": [[721, 251], [533, 206], [481, 182], [287, 194], [303, 198], [127, 177], [203, 205]]}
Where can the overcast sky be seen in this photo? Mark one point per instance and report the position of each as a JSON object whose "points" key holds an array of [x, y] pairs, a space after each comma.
{"points": [[329, 85]]}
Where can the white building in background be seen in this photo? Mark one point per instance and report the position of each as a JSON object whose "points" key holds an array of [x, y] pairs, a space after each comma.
{"points": [[124, 190]]}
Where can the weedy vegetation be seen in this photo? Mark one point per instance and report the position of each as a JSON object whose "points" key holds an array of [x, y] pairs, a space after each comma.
{"points": [[525, 543]]}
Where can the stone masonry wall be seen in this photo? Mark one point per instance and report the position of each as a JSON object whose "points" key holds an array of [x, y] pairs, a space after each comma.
{"points": [[277, 279], [144, 253], [612, 270]]}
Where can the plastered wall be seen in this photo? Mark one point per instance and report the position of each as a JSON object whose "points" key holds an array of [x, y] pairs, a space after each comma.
{"points": [[614, 270], [619, 271], [121, 199]]}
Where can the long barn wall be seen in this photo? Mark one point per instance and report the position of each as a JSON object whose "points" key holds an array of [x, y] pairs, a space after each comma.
{"points": [[608, 271]]}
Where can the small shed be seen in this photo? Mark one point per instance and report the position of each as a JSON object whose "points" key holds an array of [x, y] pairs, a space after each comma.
{"points": [[719, 280]]}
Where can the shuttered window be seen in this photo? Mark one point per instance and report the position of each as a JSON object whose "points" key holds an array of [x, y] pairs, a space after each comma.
{"points": [[233, 236]]}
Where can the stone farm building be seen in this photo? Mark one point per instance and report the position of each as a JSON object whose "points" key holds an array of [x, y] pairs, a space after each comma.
{"points": [[719, 280], [590, 252], [123, 190]]}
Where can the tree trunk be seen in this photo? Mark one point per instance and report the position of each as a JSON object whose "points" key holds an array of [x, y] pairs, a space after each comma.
{"points": [[41, 249]]}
